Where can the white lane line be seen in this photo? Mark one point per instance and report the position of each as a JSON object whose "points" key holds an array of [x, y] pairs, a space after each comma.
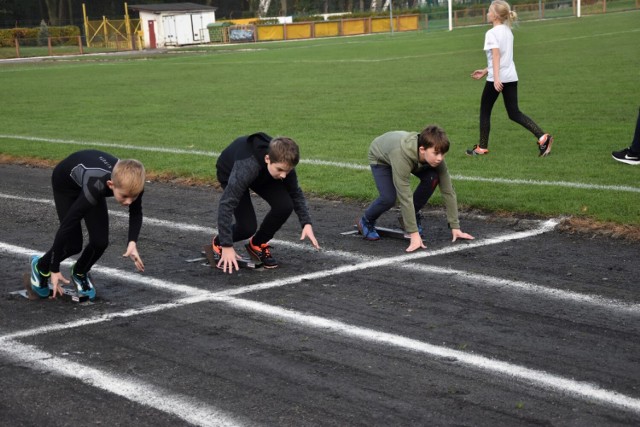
{"points": [[317, 162], [618, 306], [196, 295], [111, 145], [483, 280], [197, 298], [545, 380], [594, 300], [207, 231], [189, 409], [565, 184]]}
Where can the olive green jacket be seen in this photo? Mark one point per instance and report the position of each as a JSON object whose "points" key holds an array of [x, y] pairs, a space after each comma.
{"points": [[399, 150]]}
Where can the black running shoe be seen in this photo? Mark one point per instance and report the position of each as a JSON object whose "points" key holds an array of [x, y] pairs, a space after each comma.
{"points": [[261, 253], [544, 144], [626, 156]]}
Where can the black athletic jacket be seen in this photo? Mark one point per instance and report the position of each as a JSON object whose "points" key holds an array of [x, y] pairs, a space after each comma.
{"points": [[240, 167], [86, 173]]}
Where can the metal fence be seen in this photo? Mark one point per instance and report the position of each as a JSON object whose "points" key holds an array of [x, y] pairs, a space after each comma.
{"points": [[109, 35]]}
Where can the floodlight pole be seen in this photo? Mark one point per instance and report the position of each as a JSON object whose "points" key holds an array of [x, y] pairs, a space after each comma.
{"points": [[579, 8], [86, 25], [540, 9]]}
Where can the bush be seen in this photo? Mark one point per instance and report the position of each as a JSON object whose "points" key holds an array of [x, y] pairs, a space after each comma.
{"points": [[33, 36]]}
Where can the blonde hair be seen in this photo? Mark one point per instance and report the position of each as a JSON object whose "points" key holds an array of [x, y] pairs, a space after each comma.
{"points": [[504, 13], [128, 175]]}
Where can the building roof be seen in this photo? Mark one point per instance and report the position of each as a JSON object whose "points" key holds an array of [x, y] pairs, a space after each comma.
{"points": [[172, 7]]}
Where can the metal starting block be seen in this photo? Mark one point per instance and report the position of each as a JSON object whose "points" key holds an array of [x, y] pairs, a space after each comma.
{"points": [[68, 293], [393, 233], [211, 259]]}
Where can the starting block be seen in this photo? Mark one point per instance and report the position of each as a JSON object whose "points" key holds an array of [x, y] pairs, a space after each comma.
{"points": [[211, 259], [393, 233], [68, 293]]}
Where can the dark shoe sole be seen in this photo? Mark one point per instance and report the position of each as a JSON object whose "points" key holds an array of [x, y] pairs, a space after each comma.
{"points": [[257, 258], [472, 153], [362, 234], [547, 150]]}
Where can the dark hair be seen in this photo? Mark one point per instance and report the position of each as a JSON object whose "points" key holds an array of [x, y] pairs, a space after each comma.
{"points": [[284, 150], [434, 136]]}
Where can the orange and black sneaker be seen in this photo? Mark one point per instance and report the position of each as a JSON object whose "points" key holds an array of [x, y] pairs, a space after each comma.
{"points": [[217, 251], [215, 245], [544, 144], [477, 151], [261, 253]]}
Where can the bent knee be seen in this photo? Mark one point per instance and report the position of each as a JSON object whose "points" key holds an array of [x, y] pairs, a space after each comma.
{"points": [[73, 248], [282, 209], [99, 245], [387, 202]]}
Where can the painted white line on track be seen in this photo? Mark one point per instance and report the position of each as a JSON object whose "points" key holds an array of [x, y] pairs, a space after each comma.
{"points": [[342, 165], [196, 295], [531, 288], [189, 409], [576, 389], [367, 264], [540, 378], [482, 280], [207, 231]]}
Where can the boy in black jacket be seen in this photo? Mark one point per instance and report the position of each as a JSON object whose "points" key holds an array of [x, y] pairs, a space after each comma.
{"points": [[267, 166], [81, 183]]}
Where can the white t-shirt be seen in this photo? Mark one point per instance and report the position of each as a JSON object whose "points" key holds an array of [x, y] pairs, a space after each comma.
{"points": [[501, 37]]}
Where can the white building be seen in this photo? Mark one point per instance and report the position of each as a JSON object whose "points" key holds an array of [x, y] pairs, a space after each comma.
{"points": [[174, 24]]}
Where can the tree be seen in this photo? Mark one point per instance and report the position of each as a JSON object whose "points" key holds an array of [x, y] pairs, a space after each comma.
{"points": [[43, 34], [52, 11], [263, 8]]}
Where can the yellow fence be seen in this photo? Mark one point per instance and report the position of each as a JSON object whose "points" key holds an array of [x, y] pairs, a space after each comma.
{"points": [[327, 28], [343, 27], [113, 34], [119, 34]]}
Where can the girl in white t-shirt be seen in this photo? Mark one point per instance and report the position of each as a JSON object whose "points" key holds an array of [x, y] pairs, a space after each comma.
{"points": [[502, 78]]}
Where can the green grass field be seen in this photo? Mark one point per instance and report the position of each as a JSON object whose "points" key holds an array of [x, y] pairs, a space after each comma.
{"points": [[578, 80]]}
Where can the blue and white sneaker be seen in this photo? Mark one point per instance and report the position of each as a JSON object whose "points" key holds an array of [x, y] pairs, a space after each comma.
{"points": [[368, 229], [83, 283], [39, 281]]}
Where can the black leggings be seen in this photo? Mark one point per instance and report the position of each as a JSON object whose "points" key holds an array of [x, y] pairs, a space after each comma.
{"points": [[97, 223], [510, 96], [246, 224]]}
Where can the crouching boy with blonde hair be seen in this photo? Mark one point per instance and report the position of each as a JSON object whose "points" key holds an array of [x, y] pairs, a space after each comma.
{"points": [[81, 183]]}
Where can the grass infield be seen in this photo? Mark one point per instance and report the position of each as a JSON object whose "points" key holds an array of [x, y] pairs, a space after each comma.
{"points": [[578, 81]]}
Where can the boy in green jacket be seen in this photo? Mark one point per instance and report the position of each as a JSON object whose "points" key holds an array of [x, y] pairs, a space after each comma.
{"points": [[393, 158]]}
